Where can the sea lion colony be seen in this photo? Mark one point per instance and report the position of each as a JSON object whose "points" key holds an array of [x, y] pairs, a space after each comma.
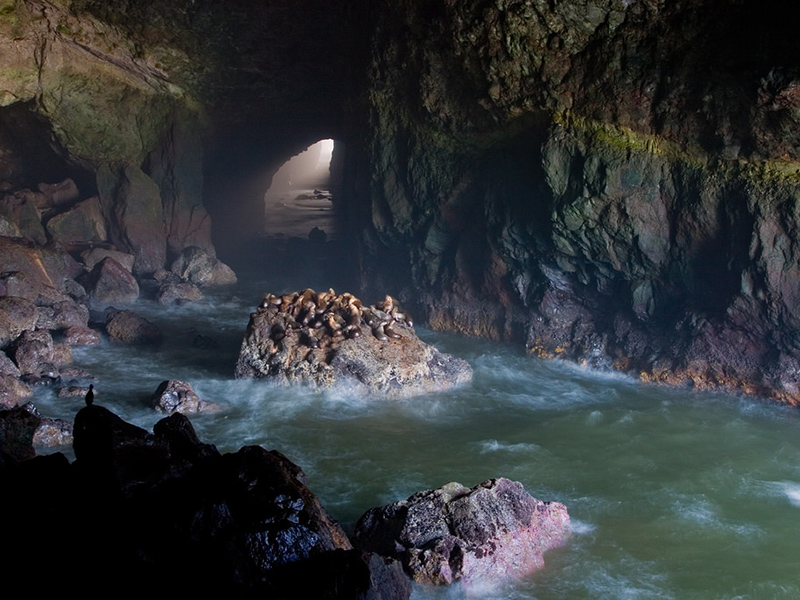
{"points": [[322, 320]]}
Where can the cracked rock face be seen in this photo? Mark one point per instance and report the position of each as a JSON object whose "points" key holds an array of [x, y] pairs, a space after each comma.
{"points": [[491, 532]]}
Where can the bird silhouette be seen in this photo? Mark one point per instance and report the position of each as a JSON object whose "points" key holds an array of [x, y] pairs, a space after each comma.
{"points": [[90, 395]]}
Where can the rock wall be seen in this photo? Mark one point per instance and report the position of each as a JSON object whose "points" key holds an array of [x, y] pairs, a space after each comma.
{"points": [[610, 182]]}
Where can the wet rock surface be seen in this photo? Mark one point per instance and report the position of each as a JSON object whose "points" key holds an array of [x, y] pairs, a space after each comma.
{"points": [[179, 396], [328, 339], [492, 532]]}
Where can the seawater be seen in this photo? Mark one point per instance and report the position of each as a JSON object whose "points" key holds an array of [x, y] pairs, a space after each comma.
{"points": [[672, 493]]}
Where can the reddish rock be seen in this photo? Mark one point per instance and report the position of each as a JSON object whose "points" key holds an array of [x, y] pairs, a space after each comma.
{"points": [[62, 354], [32, 352], [82, 336], [74, 391], [41, 274], [62, 315], [16, 316], [492, 532], [129, 328], [111, 283], [178, 396], [12, 390]]}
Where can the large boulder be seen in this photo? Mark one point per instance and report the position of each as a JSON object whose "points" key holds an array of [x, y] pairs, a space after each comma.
{"points": [[16, 315], [33, 352], [492, 532], [81, 223], [111, 283], [328, 340], [127, 327], [197, 266]]}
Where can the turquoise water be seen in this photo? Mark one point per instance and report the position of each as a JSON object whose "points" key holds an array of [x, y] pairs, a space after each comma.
{"points": [[672, 494]]}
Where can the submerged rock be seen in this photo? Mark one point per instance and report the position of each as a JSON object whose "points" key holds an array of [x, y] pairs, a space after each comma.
{"points": [[325, 339], [127, 327], [491, 532]]}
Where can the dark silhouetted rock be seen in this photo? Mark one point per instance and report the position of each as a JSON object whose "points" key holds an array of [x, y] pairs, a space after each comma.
{"points": [[178, 396], [129, 328], [494, 531], [17, 428]]}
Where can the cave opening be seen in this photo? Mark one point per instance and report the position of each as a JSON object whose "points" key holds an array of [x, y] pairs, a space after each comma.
{"points": [[299, 201]]}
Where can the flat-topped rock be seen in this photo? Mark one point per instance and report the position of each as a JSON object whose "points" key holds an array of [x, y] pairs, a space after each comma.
{"points": [[328, 339]]}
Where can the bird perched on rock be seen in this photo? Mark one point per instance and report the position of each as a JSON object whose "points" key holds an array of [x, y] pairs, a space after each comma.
{"points": [[90, 395]]}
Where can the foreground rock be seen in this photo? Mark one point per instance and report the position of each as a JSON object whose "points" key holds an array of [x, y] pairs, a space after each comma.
{"points": [[325, 339], [491, 532], [165, 511]]}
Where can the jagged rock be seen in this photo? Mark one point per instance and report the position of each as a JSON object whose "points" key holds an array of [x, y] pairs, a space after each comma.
{"points": [[7, 366], [494, 531], [82, 336], [16, 316], [327, 339], [32, 352], [92, 256], [110, 283], [81, 223], [178, 396], [12, 390], [197, 266], [53, 432], [129, 328], [178, 293], [62, 315]]}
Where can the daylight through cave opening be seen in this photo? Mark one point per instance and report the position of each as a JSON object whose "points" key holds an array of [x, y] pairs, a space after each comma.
{"points": [[299, 202]]}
